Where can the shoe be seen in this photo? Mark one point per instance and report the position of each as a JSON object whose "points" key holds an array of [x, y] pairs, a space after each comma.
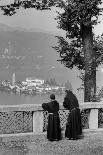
{"points": [[74, 138], [68, 138], [51, 140], [56, 139]]}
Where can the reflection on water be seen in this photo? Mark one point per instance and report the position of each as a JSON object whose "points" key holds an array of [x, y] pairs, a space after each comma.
{"points": [[14, 99]]}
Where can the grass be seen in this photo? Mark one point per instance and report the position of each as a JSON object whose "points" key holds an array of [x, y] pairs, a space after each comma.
{"points": [[90, 144]]}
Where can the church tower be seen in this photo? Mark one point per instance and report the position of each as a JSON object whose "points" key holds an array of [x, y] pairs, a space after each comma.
{"points": [[13, 78]]}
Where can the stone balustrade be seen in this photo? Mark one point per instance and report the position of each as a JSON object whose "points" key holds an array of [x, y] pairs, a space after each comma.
{"points": [[37, 114]]}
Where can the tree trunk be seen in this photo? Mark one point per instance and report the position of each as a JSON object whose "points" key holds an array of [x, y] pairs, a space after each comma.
{"points": [[90, 64]]}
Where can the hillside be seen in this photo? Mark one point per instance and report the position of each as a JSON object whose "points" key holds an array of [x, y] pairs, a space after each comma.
{"points": [[36, 47], [39, 58]]}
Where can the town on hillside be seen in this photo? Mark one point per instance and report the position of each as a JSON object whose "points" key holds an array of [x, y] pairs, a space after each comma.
{"points": [[31, 86]]}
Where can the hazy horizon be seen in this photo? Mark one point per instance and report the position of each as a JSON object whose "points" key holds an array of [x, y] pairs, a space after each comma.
{"points": [[44, 21], [40, 20]]}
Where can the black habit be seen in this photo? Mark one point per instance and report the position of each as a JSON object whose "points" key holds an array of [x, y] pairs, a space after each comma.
{"points": [[73, 126], [53, 130]]}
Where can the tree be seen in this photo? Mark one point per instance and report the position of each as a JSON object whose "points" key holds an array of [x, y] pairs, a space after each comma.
{"points": [[51, 82], [12, 8], [98, 47], [68, 85], [77, 19]]}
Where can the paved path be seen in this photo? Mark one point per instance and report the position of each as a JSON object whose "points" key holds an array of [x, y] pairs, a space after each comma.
{"points": [[90, 144]]}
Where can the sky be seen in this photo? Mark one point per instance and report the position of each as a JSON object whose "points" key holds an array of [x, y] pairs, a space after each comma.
{"points": [[38, 20], [32, 19], [42, 21]]}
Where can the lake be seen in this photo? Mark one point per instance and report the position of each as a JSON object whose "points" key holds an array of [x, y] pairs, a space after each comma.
{"points": [[15, 99]]}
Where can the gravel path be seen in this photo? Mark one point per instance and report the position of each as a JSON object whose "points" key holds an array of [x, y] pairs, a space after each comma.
{"points": [[90, 144]]}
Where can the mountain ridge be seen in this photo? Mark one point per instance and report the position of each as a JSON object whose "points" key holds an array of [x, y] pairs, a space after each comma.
{"points": [[39, 58]]}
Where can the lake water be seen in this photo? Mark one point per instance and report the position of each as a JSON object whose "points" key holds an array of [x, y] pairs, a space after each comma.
{"points": [[15, 99]]}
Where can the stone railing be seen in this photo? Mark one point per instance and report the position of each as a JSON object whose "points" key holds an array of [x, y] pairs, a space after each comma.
{"points": [[31, 118]]}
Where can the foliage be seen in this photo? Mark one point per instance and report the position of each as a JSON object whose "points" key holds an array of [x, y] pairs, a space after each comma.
{"points": [[70, 56], [75, 14], [68, 85], [82, 49], [12, 8], [82, 77], [51, 82], [98, 47], [99, 94], [71, 52]]}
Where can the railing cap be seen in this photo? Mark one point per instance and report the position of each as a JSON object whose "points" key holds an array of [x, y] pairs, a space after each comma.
{"points": [[38, 107]]}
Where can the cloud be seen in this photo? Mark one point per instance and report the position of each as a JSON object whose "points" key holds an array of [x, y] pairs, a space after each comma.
{"points": [[6, 2]]}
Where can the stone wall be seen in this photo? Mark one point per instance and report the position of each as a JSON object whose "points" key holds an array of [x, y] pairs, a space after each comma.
{"points": [[31, 118]]}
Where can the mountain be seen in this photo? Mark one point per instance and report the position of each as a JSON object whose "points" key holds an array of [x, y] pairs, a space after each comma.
{"points": [[35, 46], [37, 57], [30, 53], [5, 28]]}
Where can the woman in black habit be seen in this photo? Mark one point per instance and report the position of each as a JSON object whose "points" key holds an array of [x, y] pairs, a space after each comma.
{"points": [[53, 130], [73, 126]]}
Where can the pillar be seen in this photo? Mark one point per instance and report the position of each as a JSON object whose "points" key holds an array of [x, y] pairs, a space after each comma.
{"points": [[37, 121], [93, 119]]}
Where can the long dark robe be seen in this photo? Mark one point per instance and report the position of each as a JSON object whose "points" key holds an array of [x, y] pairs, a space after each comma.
{"points": [[53, 130], [73, 126]]}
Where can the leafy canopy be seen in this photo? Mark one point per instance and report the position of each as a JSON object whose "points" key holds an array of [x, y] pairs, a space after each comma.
{"points": [[12, 8], [75, 14]]}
